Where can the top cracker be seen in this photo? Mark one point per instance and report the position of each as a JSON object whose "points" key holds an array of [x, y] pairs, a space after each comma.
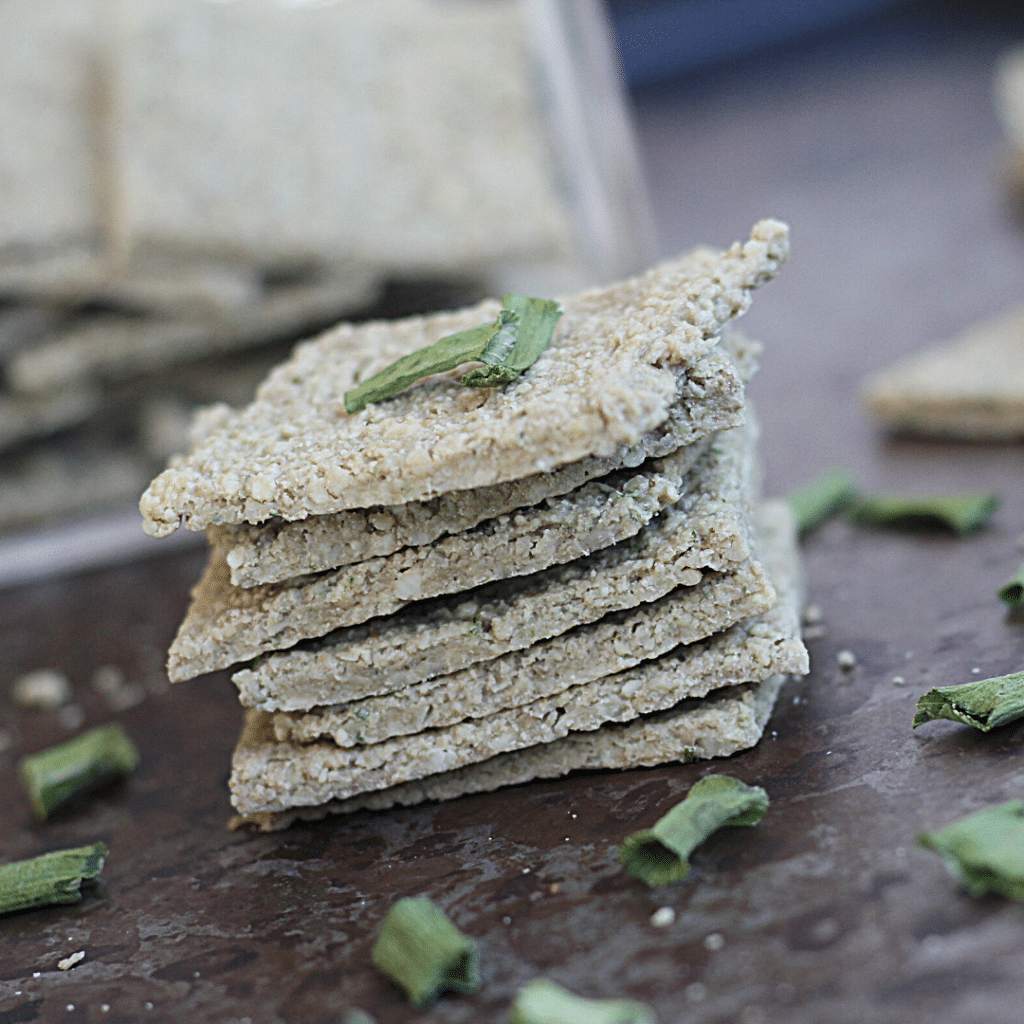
{"points": [[609, 375]]}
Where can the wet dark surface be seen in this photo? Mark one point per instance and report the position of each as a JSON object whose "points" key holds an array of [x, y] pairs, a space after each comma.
{"points": [[882, 157]]}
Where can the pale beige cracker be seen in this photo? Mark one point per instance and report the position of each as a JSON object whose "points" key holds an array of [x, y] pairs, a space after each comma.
{"points": [[446, 635], [613, 644], [718, 725], [609, 376], [116, 347], [226, 625], [972, 389], [273, 776], [710, 399]]}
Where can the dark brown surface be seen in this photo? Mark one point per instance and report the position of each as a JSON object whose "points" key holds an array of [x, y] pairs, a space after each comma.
{"points": [[881, 152]]}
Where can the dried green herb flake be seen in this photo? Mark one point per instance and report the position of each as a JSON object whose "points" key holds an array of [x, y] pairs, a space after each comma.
{"points": [[1012, 592], [507, 347], [984, 703], [658, 855], [961, 513], [424, 953], [985, 850], [813, 503], [52, 878], [544, 1002], [94, 759]]}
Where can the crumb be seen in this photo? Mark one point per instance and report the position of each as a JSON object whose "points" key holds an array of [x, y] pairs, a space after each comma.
{"points": [[46, 689], [846, 659], [975, 671], [714, 942], [813, 614], [663, 917], [69, 961], [898, 680]]}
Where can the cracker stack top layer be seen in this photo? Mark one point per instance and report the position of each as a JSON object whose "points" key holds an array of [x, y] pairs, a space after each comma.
{"points": [[609, 375]]}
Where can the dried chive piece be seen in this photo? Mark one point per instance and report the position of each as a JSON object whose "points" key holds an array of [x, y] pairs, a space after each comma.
{"points": [[96, 758], [424, 953], [813, 503], [508, 346], [544, 1002], [985, 850], [658, 855], [961, 513], [52, 878], [1012, 593], [984, 703]]}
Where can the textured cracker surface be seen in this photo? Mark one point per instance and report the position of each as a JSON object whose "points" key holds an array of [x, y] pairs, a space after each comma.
{"points": [[273, 776], [710, 399], [972, 389], [707, 529], [226, 624], [613, 644], [609, 376], [716, 726]]}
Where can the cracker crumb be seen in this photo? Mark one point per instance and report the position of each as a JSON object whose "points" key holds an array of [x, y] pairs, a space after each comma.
{"points": [[898, 680], [847, 660], [69, 961], [813, 614], [45, 689], [714, 942], [663, 917]]}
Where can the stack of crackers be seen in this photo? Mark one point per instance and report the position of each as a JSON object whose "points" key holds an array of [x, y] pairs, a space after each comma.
{"points": [[462, 588]]}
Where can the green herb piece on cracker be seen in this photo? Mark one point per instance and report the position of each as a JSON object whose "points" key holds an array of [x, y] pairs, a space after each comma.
{"points": [[94, 759], [658, 855], [544, 1002], [985, 850], [813, 503], [507, 347], [52, 878], [984, 703], [424, 953], [961, 513]]}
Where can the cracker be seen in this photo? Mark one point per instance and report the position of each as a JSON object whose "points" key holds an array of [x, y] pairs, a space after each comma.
{"points": [[225, 624], [972, 389], [609, 376], [710, 399], [273, 776], [613, 644], [721, 724]]}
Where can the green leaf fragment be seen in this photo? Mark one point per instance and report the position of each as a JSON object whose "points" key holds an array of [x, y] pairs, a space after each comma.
{"points": [[424, 953], [507, 347], [813, 503], [984, 703], [1012, 593], [985, 850], [659, 855], [544, 1002], [94, 759], [52, 878], [962, 513]]}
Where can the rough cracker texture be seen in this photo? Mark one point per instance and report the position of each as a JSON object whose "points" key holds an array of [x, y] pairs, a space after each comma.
{"points": [[972, 390], [440, 637], [118, 347], [710, 398], [226, 625], [609, 376], [716, 726], [275, 776], [558, 530], [614, 644]]}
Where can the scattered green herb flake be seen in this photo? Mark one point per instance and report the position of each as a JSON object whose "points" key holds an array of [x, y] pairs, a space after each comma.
{"points": [[1012, 593], [52, 878], [961, 513], [659, 855], [424, 953], [544, 1002], [94, 759], [985, 850], [506, 347], [813, 503], [984, 703]]}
